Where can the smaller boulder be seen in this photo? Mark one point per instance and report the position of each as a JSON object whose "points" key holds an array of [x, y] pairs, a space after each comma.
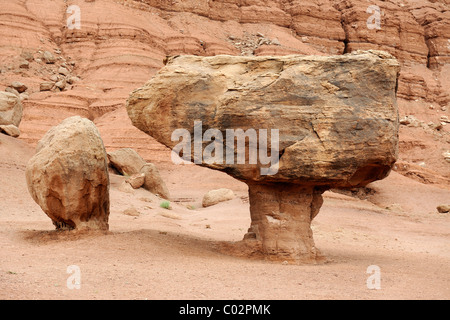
{"points": [[10, 130], [72, 79], [131, 212], [443, 208], [136, 180], [61, 84], [48, 57], [68, 176], [24, 96], [213, 197], [126, 161], [19, 86], [275, 42], [444, 119], [153, 181], [24, 64], [11, 109], [63, 71], [446, 156], [13, 91], [125, 187], [46, 86], [28, 56]]}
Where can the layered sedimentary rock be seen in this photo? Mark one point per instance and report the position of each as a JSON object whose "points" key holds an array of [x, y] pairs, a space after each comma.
{"points": [[68, 176], [290, 127], [121, 43], [391, 28], [413, 31], [313, 20], [433, 17]]}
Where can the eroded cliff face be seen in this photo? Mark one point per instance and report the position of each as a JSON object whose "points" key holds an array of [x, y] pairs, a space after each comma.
{"points": [[122, 44]]}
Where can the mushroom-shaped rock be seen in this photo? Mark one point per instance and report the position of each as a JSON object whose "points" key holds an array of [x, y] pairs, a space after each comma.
{"points": [[68, 176], [291, 127]]}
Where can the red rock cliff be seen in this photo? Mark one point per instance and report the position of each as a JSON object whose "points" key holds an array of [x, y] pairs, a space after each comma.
{"points": [[122, 43]]}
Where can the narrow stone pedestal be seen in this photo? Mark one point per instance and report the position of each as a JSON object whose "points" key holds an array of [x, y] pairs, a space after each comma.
{"points": [[281, 216]]}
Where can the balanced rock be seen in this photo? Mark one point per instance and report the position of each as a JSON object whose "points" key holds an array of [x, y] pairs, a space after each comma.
{"points": [[213, 197], [68, 176], [10, 109], [290, 127]]}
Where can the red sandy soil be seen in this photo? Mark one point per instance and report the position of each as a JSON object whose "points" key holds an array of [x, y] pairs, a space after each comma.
{"points": [[186, 253]]}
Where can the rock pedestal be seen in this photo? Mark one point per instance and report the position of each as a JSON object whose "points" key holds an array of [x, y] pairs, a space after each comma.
{"points": [[281, 216], [290, 127]]}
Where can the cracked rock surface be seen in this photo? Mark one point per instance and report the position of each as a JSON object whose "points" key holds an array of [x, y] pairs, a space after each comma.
{"points": [[336, 116]]}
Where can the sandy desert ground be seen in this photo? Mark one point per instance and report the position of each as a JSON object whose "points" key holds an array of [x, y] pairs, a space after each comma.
{"points": [[192, 253]]}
